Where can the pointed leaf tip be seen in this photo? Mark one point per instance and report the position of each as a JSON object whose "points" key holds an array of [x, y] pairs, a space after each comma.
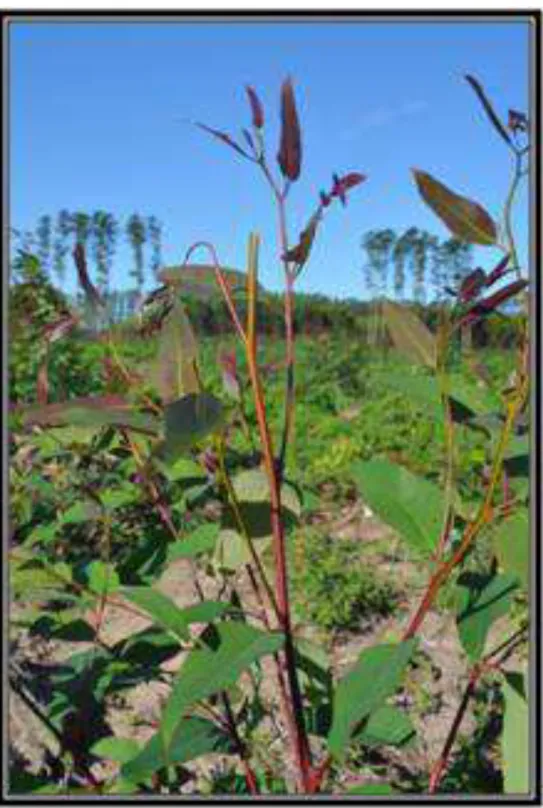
{"points": [[465, 219], [257, 110], [289, 156]]}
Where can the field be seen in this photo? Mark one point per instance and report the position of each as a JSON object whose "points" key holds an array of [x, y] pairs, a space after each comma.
{"points": [[97, 672]]}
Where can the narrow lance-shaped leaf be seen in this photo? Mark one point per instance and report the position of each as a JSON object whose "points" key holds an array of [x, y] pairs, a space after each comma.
{"points": [[300, 253], [489, 109], [465, 219], [481, 602], [256, 108], [224, 137], [515, 737], [289, 156]]}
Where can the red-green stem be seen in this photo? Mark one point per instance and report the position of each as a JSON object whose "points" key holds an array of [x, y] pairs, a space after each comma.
{"points": [[504, 650]]}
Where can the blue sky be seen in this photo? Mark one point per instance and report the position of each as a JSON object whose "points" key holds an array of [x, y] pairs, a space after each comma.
{"points": [[98, 116]]}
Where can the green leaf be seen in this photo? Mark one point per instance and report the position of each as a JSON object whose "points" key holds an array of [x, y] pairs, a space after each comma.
{"points": [[102, 578], [80, 512], [253, 498], [201, 541], [188, 420], [515, 738], [411, 505], [192, 738], [168, 615], [481, 601], [97, 411], [175, 373], [387, 726], [184, 467], [371, 789], [409, 334], [233, 647], [376, 675], [467, 220], [113, 498], [121, 750], [511, 541]]}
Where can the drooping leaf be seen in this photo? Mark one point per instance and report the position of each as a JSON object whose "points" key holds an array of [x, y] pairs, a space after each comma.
{"points": [[409, 334], [489, 109], [376, 675], [289, 155], [188, 420], [511, 542], [232, 648], [515, 738], [487, 304], [387, 726], [168, 615], [466, 219], [481, 601], [410, 504], [192, 738], [96, 411]]}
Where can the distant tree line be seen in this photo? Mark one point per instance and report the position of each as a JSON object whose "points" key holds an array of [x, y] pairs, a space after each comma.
{"points": [[100, 232], [413, 265]]}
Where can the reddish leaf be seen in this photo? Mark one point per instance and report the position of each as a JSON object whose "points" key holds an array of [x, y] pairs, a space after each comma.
{"points": [[325, 199], [289, 156], [82, 273], [465, 219], [256, 108], [300, 253], [228, 366], [496, 122], [518, 122], [488, 304], [472, 285], [498, 272], [343, 184], [224, 137]]}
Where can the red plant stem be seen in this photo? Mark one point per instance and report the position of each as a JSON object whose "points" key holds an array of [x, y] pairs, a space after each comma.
{"points": [[472, 529], [438, 769], [250, 777]]}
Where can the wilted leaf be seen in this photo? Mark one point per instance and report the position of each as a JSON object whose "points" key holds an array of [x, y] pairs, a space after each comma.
{"points": [[466, 219], [289, 156], [409, 334]]}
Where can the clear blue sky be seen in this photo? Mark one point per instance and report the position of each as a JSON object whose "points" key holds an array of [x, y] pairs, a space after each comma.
{"points": [[97, 116]]}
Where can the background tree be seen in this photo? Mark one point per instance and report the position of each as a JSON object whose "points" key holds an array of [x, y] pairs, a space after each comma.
{"points": [[99, 237], [154, 232], [43, 240], [63, 229], [136, 233]]}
